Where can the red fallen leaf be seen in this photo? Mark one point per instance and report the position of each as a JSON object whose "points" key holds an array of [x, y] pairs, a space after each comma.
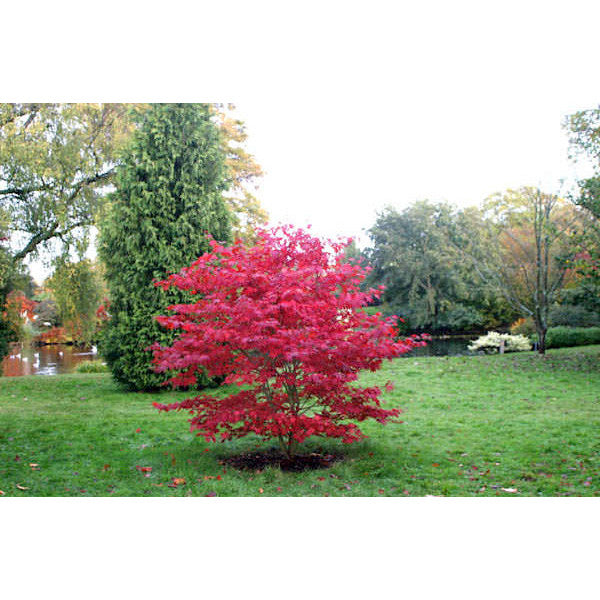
{"points": [[406, 493], [17, 458], [260, 490], [206, 450], [370, 454], [179, 480], [22, 487], [106, 467], [381, 491], [321, 478], [586, 483], [218, 478], [138, 430], [1, 493], [206, 477], [146, 469], [435, 464], [279, 489]]}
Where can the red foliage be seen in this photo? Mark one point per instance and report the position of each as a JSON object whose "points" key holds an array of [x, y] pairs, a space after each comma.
{"points": [[102, 313], [20, 305], [56, 335], [281, 318]]}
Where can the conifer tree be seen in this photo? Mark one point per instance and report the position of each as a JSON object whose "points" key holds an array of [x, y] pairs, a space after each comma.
{"points": [[168, 197]]}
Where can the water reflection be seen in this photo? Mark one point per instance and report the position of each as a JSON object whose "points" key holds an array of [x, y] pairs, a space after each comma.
{"points": [[45, 360], [451, 346]]}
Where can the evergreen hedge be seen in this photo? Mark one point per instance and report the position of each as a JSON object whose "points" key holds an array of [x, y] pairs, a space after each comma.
{"points": [[562, 337]]}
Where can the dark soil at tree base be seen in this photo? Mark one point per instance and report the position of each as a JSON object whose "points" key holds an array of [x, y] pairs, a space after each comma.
{"points": [[275, 458]]}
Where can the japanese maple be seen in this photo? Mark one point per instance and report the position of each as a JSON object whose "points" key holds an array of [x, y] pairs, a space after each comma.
{"points": [[283, 320]]}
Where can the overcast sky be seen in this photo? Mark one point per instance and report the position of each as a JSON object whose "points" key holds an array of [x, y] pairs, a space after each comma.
{"points": [[352, 106]]}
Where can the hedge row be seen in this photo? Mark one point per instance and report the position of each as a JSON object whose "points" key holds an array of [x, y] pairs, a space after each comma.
{"points": [[562, 337]]}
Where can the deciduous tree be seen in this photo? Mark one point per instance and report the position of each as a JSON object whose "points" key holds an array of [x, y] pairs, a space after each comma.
{"points": [[55, 163], [282, 320], [529, 261]]}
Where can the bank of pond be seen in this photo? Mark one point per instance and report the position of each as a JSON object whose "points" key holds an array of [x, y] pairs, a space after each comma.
{"points": [[55, 359]]}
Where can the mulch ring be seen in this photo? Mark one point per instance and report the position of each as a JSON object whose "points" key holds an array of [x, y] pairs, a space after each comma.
{"points": [[257, 461]]}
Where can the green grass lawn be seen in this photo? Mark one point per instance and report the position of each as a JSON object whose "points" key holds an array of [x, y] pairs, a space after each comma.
{"points": [[472, 426]]}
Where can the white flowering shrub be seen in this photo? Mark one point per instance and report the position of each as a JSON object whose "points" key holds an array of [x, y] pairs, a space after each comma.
{"points": [[491, 342]]}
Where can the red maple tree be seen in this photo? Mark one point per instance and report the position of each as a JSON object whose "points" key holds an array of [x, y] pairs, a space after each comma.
{"points": [[283, 319]]}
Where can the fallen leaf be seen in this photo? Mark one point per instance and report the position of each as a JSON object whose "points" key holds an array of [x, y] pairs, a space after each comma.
{"points": [[278, 489], [179, 480], [34, 465], [211, 494], [21, 487], [260, 490], [138, 430], [321, 478], [218, 478], [1, 493], [381, 491], [157, 484], [509, 490], [173, 461], [106, 467], [436, 464]]}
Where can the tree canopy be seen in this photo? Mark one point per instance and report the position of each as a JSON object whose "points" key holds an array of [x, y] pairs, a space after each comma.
{"points": [[56, 161]]}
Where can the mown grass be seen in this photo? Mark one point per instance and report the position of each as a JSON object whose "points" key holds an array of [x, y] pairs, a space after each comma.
{"points": [[473, 426]]}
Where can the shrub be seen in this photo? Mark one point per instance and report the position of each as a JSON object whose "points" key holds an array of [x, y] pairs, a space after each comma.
{"points": [[92, 366], [492, 341], [562, 337], [284, 319]]}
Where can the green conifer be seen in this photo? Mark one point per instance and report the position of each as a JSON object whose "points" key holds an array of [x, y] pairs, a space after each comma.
{"points": [[168, 197]]}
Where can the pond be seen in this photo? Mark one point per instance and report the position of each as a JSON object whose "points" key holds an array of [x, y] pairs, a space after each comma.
{"points": [[450, 346], [45, 360], [54, 359]]}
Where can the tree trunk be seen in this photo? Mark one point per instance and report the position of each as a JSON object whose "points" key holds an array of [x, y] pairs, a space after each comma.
{"points": [[541, 332]]}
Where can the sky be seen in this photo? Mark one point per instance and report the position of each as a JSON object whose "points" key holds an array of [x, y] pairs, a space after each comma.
{"points": [[349, 109]]}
